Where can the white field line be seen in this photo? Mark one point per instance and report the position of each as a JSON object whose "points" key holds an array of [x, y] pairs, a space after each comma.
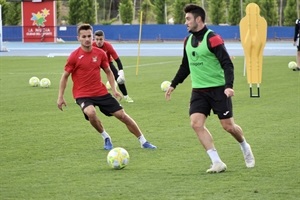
{"points": [[129, 66]]}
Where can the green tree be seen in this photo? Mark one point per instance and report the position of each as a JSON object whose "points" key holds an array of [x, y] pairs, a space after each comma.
{"points": [[147, 7], [81, 12], [4, 10], [87, 11], [58, 5], [271, 11], [217, 11], [290, 13], [252, 1], [178, 7], [13, 14], [234, 14], [159, 10], [126, 11], [179, 15]]}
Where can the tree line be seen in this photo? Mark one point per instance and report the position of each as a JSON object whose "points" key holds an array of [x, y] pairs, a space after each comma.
{"points": [[276, 12]]}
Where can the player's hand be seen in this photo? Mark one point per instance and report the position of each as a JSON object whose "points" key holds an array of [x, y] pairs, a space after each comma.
{"points": [[229, 92], [117, 95], [60, 103], [168, 93], [121, 77]]}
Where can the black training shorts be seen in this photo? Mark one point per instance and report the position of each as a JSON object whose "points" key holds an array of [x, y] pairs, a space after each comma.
{"points": [[107, 104], [205, 100]]}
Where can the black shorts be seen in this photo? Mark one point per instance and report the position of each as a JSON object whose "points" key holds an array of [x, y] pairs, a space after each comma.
{"points": [[107, 104], [205, 100]]}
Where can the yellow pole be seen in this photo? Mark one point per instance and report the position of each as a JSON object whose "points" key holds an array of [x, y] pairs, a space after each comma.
{"points": [[139, 44]]}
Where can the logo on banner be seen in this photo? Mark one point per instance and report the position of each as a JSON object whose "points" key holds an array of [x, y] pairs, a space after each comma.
{"points": [[39, 18]]}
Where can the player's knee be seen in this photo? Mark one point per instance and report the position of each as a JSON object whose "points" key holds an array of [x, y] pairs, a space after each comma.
{"points": [[229, 128], [121, 115], [90, 113], [196, 125]]}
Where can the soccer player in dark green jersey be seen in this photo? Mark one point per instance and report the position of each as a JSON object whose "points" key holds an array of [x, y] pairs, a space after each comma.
{"points": [[206, 59]]}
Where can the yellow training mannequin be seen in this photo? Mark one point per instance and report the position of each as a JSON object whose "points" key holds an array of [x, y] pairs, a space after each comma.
{"points": [[253, 32]]}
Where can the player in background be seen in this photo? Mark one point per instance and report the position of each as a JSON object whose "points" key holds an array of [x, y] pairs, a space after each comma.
{"points": [[297, 43], [206, 59], [85, 64], [101, 43]]}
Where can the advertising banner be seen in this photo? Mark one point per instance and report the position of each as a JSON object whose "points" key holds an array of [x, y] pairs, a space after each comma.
{"points": [[39, 21]]}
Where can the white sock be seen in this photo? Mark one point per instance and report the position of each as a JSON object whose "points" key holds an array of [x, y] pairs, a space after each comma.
{"points": [[125, 96], [142, 139], [244, 145], [104, 135], [214, 156]]}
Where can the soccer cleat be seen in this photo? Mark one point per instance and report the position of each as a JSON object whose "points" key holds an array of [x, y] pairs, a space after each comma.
{"points": [[148, 145], [128, 99], [217, 167], [107, 144], [296, 69], [248, 156]]}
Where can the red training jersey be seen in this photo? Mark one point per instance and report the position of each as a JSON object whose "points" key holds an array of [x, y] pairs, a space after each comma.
{"points": [[85, 69], [109, 50]]}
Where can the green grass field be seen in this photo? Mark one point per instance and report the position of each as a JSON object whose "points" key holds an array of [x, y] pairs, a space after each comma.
{"points": [[49, 154]]}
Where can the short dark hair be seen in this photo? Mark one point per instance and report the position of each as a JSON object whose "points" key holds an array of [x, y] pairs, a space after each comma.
{"points": [[195, 10], [99, 33], [84, 27]]}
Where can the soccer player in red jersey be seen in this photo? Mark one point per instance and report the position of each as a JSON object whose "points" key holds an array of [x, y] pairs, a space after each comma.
{"points": [[84, 65], [206, 59], [111, 53]]}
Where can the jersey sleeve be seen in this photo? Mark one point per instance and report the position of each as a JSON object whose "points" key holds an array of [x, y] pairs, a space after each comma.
{"points": [[70, 65], [112, 51], [215, 40], [104, 60]]}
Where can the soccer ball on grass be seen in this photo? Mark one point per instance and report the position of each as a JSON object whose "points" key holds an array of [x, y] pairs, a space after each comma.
{"points": [[292, 65], [34, 81], [45, 83], [165, 85], [108, 86], [118, 158]]}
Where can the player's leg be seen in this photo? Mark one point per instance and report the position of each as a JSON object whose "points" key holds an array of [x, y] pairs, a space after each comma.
{"points": [[199, 110], [206, 139], [223, 108], [90, 114], [111, 107], [237, 132], [133, 128], [298, 59], [122, 87]]}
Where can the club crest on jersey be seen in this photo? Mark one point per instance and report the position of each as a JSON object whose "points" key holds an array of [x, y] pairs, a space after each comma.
{"points": [[95, 59]]}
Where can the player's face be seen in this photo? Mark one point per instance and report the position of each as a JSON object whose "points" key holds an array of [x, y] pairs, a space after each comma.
{"points": [[99, 40], [191, 22], [85, 38]]}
